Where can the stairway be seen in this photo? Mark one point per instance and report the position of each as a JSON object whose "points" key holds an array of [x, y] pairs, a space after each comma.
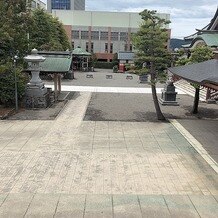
{"points": [[185, 86]]}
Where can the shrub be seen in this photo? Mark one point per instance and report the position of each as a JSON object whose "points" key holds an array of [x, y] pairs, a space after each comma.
{"points": [[7, 84], [104, 65]]}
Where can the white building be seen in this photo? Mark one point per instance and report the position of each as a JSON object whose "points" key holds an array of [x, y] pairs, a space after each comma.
{"points": [[37, 4], [102, 33]]}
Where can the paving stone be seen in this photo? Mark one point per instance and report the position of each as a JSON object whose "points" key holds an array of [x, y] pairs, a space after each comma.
{"points": [[15, 205], [206, 206], [43, 205], [180, 206], [126, 206], [70, 206], [153, 206], [98, 206]]}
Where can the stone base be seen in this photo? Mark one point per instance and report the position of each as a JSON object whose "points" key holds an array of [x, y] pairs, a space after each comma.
{"points": [[38, 98], [211, 101], [168, 103]]}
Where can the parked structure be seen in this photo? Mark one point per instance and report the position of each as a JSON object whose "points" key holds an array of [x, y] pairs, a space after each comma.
{"points": [[65, 5], [102, 33]]}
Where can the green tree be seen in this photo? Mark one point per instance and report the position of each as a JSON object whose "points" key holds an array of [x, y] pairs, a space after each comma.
{"points": [[47, 32], [14, 25], [151, 42], [198, 54]]}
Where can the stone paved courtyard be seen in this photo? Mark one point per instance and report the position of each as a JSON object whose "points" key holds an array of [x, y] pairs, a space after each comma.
{"points": [[69, 167]]}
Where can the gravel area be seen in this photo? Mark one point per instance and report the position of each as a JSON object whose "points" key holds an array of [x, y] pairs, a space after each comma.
{"points": [[140, 108]]}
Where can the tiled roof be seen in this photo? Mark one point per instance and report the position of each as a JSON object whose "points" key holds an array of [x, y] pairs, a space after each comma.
{"points": [[200, 73], [56, 64]]}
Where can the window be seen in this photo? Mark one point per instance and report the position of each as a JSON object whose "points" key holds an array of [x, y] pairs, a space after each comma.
{"points": [[111, 48], [114, 36], [63, 4], [125, 47], [123, 36], [75, 34], [84, 34], [87, 46], [106, 47], [130, 47], [33, 4], [72, 44], [95, 35], [92, 47], [104, 36]]}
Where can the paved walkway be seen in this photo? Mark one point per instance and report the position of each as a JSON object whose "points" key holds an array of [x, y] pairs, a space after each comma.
{"points": [[113, 89], [74, 168]]}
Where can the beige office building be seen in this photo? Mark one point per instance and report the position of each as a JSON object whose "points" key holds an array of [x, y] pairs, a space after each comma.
{"points": [[102, 33]]}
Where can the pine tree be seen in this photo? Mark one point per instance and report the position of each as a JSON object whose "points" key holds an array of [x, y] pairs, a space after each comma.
{"points": [[151, 45]]}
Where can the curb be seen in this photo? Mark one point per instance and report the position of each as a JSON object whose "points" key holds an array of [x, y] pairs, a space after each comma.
{"points": [[5, 116], [195, 144]]}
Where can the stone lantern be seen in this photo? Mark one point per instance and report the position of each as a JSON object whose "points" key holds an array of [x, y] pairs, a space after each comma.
{"points": [[168, 96], [37, 95]]}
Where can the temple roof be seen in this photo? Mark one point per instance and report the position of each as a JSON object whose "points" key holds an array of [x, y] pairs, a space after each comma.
{"points": [[213, 25], [200, 73], [56, 64]]}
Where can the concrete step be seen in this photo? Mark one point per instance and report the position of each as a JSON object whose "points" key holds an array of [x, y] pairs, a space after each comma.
{"points": [[186, 87]]}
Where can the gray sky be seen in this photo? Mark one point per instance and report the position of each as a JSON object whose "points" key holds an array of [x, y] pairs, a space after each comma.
{"points": [[186, 15]]}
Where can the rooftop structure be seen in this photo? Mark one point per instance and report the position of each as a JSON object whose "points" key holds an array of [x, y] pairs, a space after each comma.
{"points": [[65, 5]]}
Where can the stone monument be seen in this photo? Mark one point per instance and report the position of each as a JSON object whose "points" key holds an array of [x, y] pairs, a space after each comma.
{"points": [[168, 96], [37, 95]]}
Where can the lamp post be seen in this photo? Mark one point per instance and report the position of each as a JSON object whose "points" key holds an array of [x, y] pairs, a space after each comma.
{"points": [[15, 81]]}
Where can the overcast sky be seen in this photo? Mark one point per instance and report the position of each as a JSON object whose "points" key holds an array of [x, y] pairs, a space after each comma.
{"points": [[186, 15]]}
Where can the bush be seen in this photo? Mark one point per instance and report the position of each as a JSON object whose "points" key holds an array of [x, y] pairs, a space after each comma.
{"points": [[7, 85], [104, 65]]}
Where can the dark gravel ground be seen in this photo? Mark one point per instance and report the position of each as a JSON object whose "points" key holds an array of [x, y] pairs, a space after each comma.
{"points": [[140, 108]]}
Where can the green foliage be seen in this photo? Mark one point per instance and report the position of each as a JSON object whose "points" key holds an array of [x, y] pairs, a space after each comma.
{"points": [[47, 33], [151, 44], [7, 84], [14, 25], [198, 54], [104, 65]]}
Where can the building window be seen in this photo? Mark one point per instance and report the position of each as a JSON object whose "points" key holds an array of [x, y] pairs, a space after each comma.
{"points": [[95, 35], [123, 36], [111, 48], [61, 4], [114, 36], [75, 34], [130, 47], [106, 47], [92, 47], [126, 47], [72, 44], [33, 4], [87, 46], [104, 35], [84, 34]]}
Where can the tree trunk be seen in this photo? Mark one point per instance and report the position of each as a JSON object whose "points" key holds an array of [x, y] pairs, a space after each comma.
{"points": [[159, 113], [196, 101]]}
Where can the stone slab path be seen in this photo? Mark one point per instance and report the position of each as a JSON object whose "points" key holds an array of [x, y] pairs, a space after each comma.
{"points": [[74, 168]]}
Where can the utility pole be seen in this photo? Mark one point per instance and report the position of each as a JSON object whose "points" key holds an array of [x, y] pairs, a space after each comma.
{"points": [[15, 81]]}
